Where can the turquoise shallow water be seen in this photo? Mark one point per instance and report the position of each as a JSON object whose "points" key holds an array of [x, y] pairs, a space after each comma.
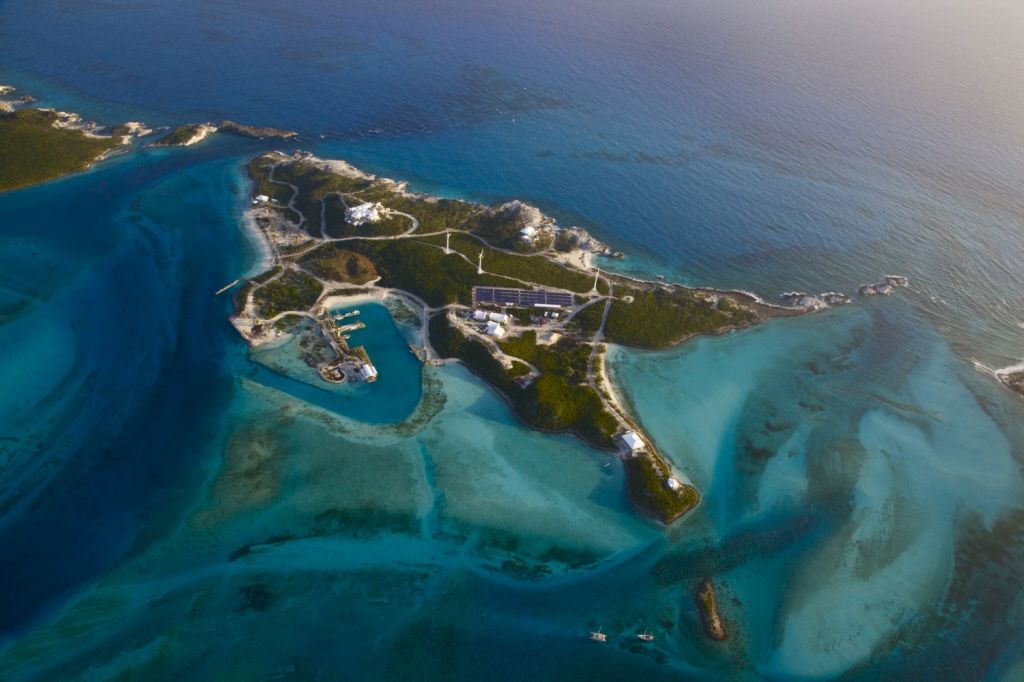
{"points": [[172, 507], [390, 399]]}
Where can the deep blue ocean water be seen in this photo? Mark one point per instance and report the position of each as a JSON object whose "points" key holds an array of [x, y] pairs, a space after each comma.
{"points": [[172, 508]]}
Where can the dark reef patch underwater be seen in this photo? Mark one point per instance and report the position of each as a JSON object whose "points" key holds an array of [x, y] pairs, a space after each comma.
{"points": [[172, 507]]}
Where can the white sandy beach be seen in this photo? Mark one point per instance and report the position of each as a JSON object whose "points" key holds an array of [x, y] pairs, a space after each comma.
{"points": [[266, 258]]}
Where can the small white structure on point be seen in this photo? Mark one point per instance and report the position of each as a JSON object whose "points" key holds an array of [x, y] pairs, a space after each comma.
{"points": [[632, 441], [368, 372], [497, 317], [480, 315], [528, 233], [261, 199], [494, 329], [363, 213], [673, 484]]}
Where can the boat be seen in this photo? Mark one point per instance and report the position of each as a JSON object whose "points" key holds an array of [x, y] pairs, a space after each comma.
{"points": [[645, 636], [598, 636]]}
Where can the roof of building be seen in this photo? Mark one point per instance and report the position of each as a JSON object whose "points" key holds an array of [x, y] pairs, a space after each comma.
{"points": [[365, 212], [497, 317], [479, 315], [632, 440], [495, 329]]}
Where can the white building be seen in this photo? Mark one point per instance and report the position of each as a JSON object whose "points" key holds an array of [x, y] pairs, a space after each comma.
{"points": [[528, 233], [494, 329], [480, 315], [497, 317], [673, 484], [363, 213], [632, 441], [261, 199], [368, 372]]}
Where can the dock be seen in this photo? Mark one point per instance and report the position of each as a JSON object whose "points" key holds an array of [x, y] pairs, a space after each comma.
{"points": [[342, 329], [226, 287], [352, 363]]}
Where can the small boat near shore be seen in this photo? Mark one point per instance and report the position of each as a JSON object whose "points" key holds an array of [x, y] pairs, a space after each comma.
{"points": [[598, 636]]}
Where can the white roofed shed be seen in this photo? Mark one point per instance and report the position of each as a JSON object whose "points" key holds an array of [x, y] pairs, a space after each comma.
{"points": [[632, 441]]}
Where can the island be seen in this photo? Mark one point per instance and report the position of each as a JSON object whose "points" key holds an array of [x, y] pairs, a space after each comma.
{"points": [[194, 133], [1012, 378], [186, 135], [40, 144], [707, 603], [502, 289], [257, 132]]}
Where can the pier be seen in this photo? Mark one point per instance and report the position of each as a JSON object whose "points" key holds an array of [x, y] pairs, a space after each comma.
{"points": [[226, 287], [352, 363]]}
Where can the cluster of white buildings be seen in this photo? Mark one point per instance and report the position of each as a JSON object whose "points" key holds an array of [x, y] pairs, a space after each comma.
{"points": [[493, 322], [363, 213]]}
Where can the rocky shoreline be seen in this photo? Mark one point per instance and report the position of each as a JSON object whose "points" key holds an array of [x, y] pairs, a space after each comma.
{"points": [[256, 132], [69, 120], [194, 133], [9, 105], [885, 287], [186, 135], [58, 142], [1012, 378]]}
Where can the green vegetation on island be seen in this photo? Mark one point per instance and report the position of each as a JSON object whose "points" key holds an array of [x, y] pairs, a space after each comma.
{"points": [[293, 290], [33, 151], [501, 227], [529, 270], [257, 132], [662, 316], [707, 603], [543, 360], [560, 399], [424, 270], [646, 478], [434, 214], [313, 184], [259, 170], [185, 135], [333, 262], [337, 227]]}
